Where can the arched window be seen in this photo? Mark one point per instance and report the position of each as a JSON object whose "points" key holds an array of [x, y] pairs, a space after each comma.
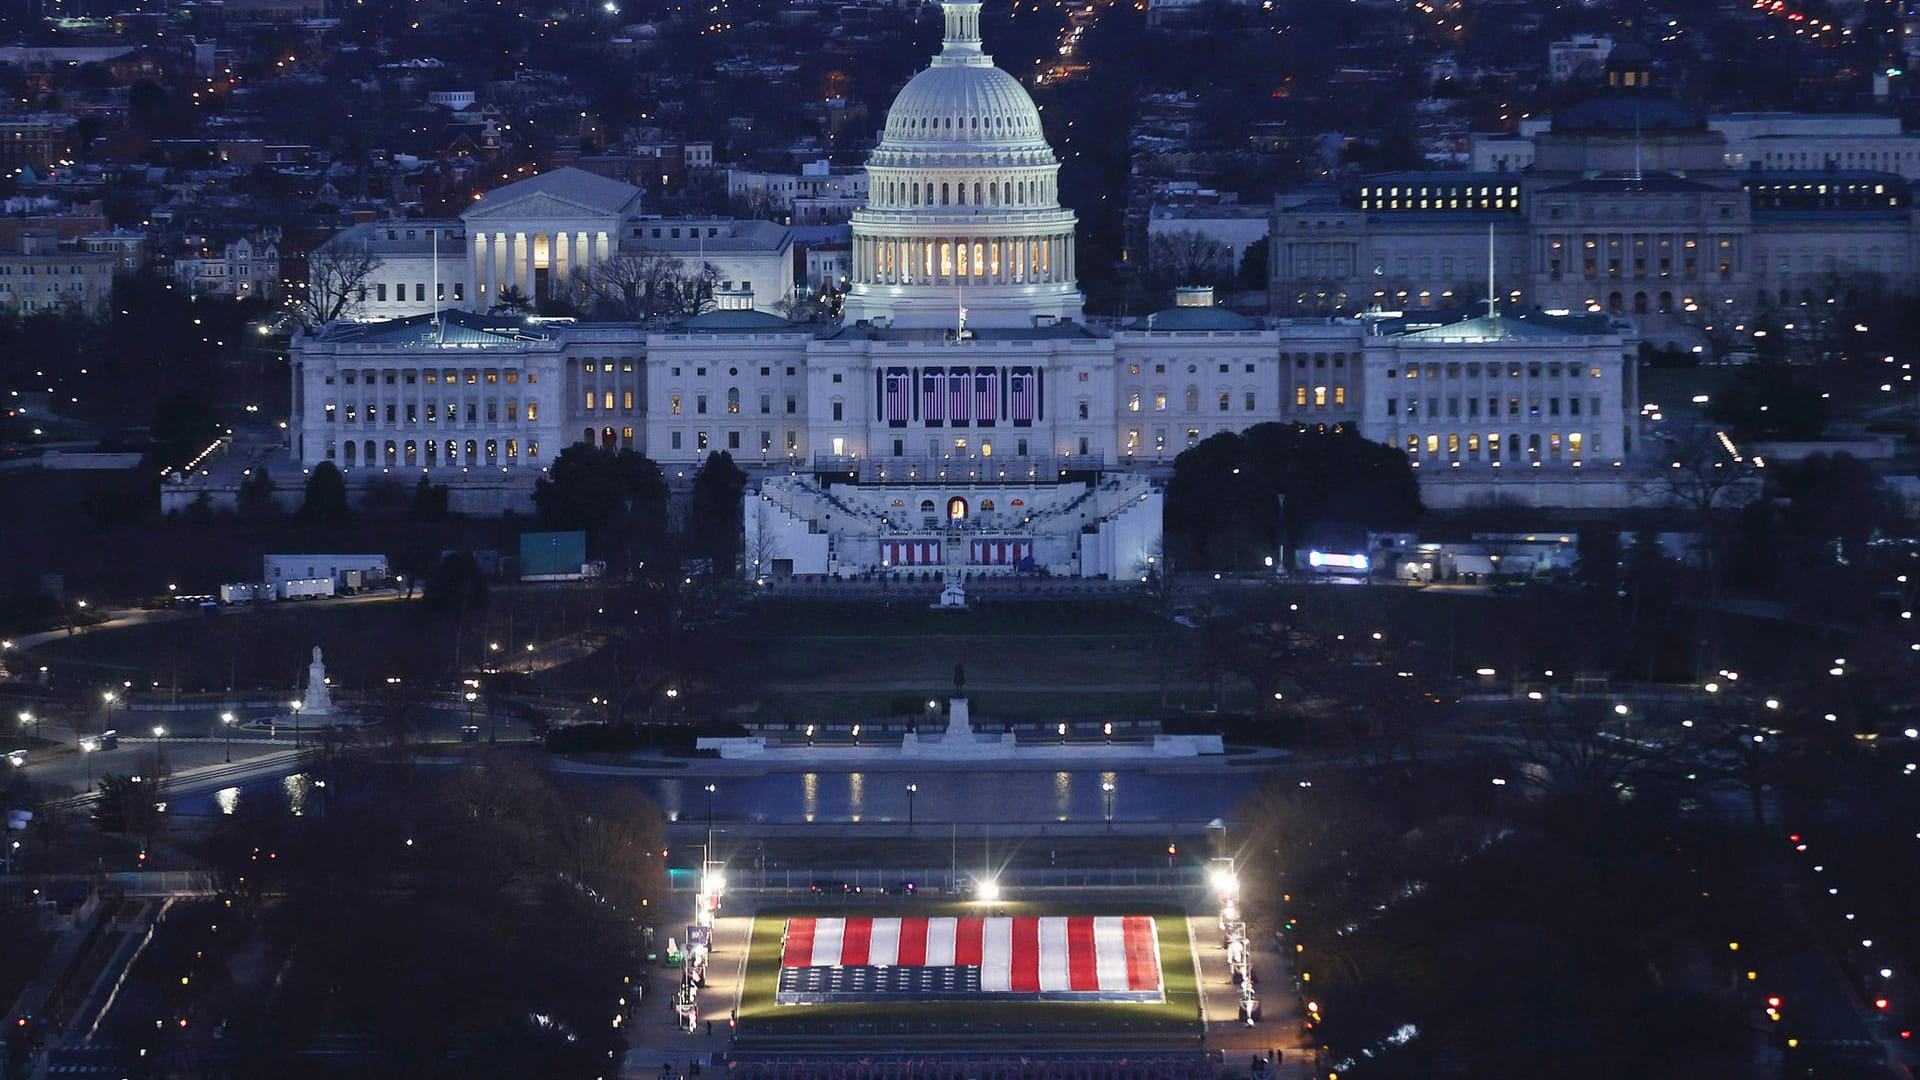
{"points": [[473, 451], [926, 506], [944, 195], [493, 451], [367, 453], [986, 506], [1193, 399], [956, 509], [733, 399], [413, 452], [350, 451]]}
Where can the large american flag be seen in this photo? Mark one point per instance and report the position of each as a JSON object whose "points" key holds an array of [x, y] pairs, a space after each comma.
{"points": [[899, 396], [1020, 384], [933, 396], [986, 392], [1034, 958], [957, 394]]}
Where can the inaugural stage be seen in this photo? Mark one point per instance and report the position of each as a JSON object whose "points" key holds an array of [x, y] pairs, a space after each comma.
{"points": [[1113, 958]]}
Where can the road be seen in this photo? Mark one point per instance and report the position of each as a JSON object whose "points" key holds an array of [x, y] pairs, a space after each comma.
{"points": [[118, 618], [196, 749]]}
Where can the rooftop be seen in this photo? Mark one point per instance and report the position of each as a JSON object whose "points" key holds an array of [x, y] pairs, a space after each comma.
{"points": [[1511, 327], [442, 328]]}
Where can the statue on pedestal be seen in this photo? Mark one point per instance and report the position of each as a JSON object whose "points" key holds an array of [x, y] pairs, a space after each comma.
{"points": [[319, 699]]}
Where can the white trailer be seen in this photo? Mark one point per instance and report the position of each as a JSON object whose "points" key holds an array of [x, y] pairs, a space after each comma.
{"points": [[304, 588], [349, 573], [240, 592]]}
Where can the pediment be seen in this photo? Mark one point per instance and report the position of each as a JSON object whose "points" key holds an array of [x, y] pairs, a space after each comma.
{"points": [[532, 206]]}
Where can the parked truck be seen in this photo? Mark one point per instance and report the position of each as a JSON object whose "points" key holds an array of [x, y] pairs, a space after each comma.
{"points": [[305, 588]]}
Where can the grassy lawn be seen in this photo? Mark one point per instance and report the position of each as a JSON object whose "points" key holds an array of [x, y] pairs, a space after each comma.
{"points": [[1177, 1019]]}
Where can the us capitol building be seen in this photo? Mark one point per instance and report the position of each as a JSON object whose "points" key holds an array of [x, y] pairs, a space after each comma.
{"points": [[964, 395]]}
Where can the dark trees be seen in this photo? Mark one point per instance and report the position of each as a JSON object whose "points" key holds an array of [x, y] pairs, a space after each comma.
{"points": [[1224, 506], [184, 424], [591, 487], [255, 497], [326, 501], [714, 521], [473, 918], [455, 583]]}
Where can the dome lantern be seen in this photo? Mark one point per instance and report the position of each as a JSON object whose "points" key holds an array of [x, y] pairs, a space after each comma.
{"points": [[962, 43]]}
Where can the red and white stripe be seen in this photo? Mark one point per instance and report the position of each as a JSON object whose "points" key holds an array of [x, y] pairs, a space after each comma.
{"points": [[899, 395], [1022, 955], [1021, 382]]}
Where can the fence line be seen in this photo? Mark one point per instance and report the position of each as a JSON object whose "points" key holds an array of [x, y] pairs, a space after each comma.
{"points": [[876, 883]]}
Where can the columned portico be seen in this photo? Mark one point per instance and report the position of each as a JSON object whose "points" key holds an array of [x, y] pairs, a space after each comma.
{"points": [[543, 235]]}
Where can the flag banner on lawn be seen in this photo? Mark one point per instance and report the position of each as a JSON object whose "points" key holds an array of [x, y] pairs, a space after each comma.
{"points": [[1025, 958]]}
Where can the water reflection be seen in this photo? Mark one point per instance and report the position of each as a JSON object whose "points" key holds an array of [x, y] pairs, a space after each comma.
{"points": [[988, 796], [964, 796]]}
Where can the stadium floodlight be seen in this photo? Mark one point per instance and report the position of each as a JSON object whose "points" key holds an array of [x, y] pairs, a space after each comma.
{"points": [[986, 889]]}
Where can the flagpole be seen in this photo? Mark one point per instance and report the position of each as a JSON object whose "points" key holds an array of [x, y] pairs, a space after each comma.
{"points": [[439, 332]]}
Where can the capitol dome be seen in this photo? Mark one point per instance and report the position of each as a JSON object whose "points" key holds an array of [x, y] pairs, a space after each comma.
{"points": [[964, 105], [963, 203]]}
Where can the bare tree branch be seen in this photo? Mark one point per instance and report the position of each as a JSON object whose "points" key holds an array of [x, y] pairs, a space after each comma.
{"points": [[337, 274]]}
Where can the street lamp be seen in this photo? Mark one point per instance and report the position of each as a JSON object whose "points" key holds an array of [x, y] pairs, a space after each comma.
{"points": [[707, 866], [108, 697], [1107, 786], [912, 790], [296, 723], [226, 720], [28, 718], [529, 657], [87, 747], [159, 747], [471, 697]]}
